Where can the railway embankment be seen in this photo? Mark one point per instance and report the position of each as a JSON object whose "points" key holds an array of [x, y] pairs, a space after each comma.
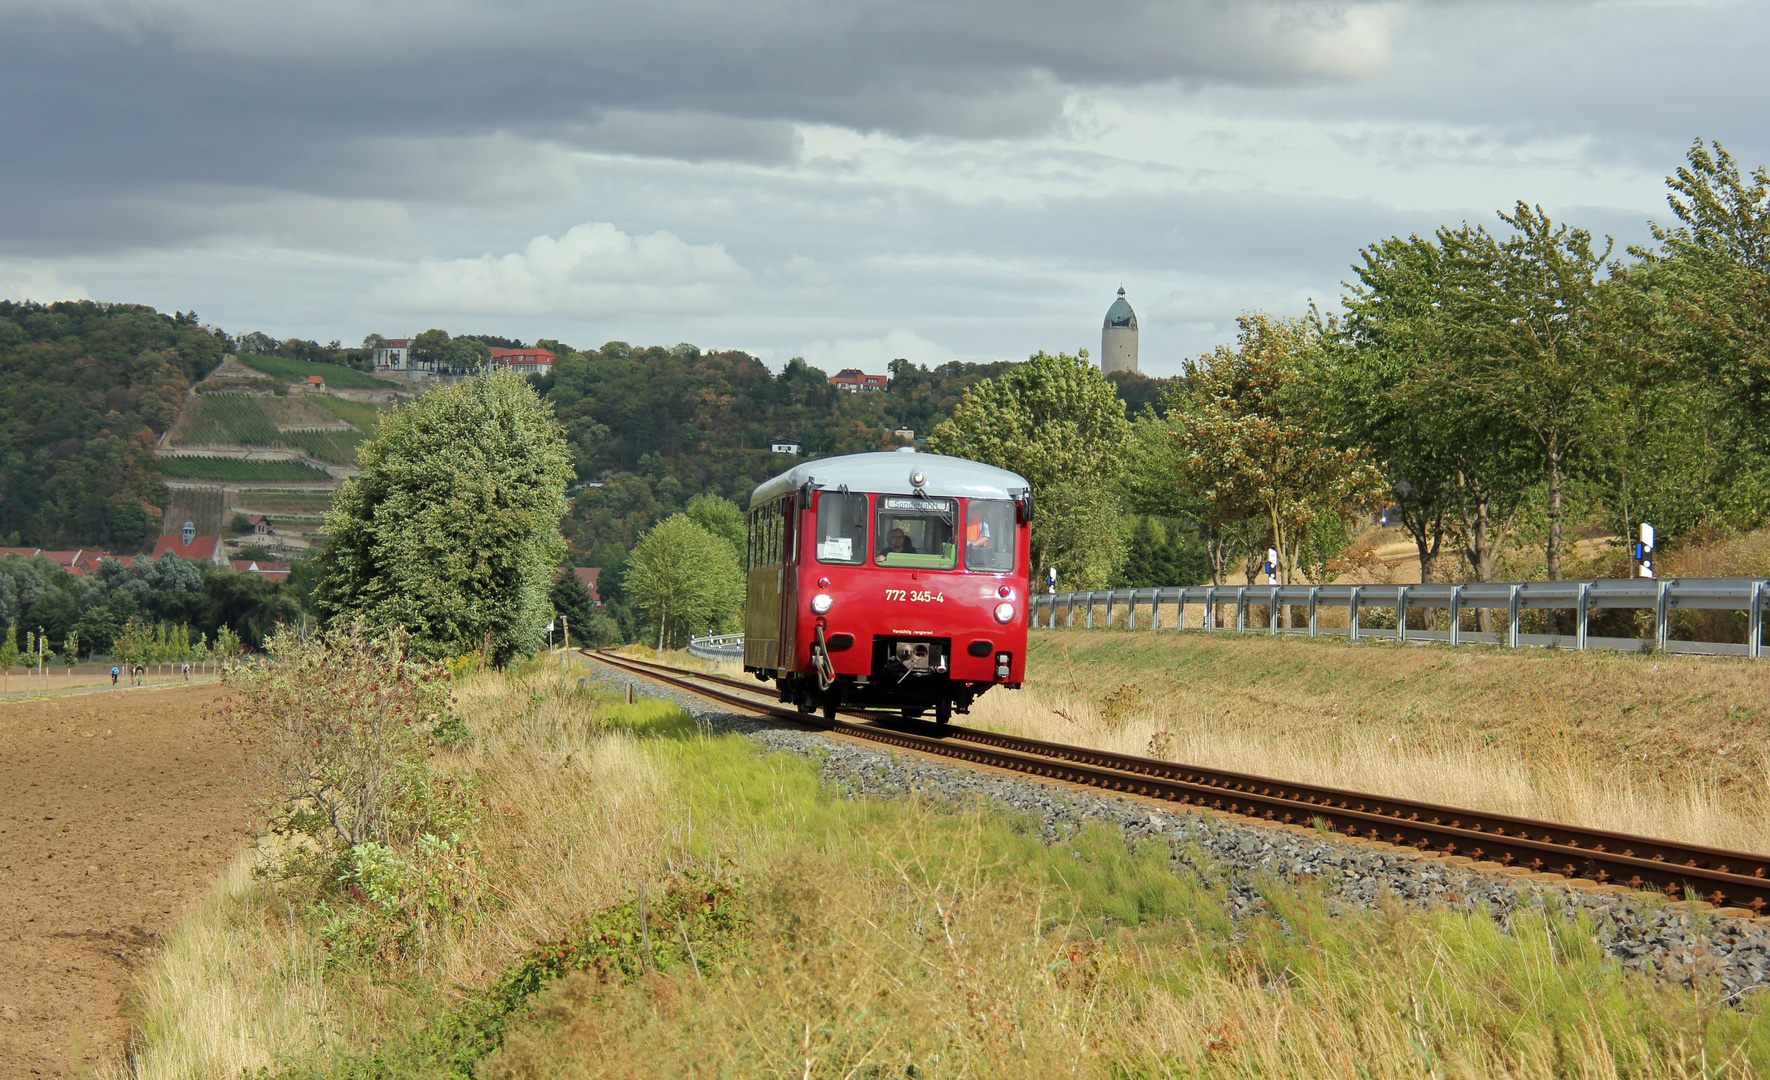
{"points": [[1677, 941], [634, 889]]}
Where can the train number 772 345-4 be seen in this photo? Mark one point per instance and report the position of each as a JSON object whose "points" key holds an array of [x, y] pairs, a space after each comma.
{"points": [[915, 596]]}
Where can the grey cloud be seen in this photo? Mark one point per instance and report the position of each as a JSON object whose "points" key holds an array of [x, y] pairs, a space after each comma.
{"points": [[149, 96], [688, 137]]}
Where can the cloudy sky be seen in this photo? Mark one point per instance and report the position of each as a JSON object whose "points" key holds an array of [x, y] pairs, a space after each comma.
{"points": [[846, 180]]}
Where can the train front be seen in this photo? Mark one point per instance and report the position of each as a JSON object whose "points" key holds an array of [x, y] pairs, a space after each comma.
{"points": [[914, 593]]}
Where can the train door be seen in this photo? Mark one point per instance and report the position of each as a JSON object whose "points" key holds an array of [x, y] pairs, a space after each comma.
{"points": [[762, 590], [787, 521]]}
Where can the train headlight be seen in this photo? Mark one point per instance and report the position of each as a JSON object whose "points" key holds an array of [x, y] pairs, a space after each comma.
{"points": [[821, 603], [1004, 613]]}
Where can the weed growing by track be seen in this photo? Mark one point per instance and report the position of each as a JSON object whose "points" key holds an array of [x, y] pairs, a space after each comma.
{"points": [[661, 899]]}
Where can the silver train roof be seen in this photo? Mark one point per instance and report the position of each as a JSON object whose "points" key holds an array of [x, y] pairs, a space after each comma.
{"points": [[886, 471]]}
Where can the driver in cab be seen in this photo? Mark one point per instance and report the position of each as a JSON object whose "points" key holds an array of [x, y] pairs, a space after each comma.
{"points": [[899, 542]]}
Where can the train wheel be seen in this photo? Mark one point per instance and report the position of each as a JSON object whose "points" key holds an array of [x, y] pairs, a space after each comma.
{"points": [[943, 712]]}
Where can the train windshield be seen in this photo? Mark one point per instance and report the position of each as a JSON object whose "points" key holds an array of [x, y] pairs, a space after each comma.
{"points": [[841, 528], [916, 532], [989, 535]]}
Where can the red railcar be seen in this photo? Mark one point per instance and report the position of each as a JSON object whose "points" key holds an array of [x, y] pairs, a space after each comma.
{"points": [[889, 580]]}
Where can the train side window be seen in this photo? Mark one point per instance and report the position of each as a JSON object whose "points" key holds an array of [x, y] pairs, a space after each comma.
{"points": [[916, 532], [841, 528], [989, 535], [750, 562]]}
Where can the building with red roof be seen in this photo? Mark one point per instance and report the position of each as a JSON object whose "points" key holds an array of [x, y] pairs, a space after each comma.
{"points": [[588, 575], [276, 571], [186, 544], [523, 361], [855, 381]]}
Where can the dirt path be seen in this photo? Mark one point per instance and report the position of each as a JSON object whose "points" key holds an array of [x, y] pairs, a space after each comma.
{"points": [[116, 811]]}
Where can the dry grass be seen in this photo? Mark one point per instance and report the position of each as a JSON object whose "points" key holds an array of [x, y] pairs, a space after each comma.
{"points": [[1673, 746], [886, 936], [233, 989]]}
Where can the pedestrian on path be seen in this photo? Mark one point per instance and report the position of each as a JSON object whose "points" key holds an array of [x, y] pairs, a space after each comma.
{"points": [[115, 671], [187, 673]]}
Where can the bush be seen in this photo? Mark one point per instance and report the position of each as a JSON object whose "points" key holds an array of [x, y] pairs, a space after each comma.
{"points": [[339, 730]]}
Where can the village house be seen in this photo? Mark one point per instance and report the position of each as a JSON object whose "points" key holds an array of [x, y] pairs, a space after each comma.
{"points": [[186, 544], [854, 381], [523, 361]]}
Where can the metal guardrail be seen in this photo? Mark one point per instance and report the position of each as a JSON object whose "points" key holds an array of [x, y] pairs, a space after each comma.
{"points": [[718, 647], [1750, 595]]}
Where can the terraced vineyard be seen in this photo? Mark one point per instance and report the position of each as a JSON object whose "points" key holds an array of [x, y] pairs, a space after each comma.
{"points": [[327, 428], [242, 471]]}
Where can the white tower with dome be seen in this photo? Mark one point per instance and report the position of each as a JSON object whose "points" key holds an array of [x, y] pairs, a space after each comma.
{"points": [[1118, 337]]}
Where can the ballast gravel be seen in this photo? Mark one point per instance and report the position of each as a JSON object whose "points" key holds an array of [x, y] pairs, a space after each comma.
{"points": [[1677, 942]]}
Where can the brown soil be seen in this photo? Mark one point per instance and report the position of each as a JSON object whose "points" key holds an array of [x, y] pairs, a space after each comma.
{"points": [[117, 809]]}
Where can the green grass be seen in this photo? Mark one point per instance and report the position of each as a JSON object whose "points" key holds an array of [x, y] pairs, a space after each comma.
{"points": [[248, 471], [299, 370]]}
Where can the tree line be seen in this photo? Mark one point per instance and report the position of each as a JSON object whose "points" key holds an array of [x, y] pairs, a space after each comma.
{"points": [[1490, 390]]}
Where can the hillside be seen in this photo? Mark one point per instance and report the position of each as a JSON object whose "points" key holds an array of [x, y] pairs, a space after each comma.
{"points": [[86, 389]]}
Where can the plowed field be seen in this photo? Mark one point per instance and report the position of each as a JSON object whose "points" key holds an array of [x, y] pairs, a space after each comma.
{"points": [[116, 811]]}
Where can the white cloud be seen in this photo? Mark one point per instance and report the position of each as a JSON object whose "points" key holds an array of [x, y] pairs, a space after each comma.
{"points": [[593, 271], [36, 281], [873, 354]]}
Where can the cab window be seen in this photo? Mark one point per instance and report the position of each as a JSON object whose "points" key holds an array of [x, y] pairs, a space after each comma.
{"points": [[841, 528], [916, 532], [989, 535]]}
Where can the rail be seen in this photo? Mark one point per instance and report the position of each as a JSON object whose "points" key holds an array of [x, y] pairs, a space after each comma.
{"points": [[1750, 595], [717, 647], [1738, 882]]}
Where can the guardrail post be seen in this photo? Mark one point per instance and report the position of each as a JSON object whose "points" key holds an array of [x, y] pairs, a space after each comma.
{"points": [[1579, 628], [1272, 613], [1456, 614], [1110, 595], [1155, 610], [1314, 593], [1069, 612], [1662, 615], [1131, 611], [1512, 618], [1241, 609], [1353, 621], [1755, 640], [1210, 621], [1089, 624], [1401, 613]]}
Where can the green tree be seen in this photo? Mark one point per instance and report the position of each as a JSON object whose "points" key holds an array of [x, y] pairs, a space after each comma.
{"points": [[685, 579], [9, 653], [1252, 441], [572, 599], [1531, 345], [722, 518], [1457, 467], [451, 529], [1058, 422]]}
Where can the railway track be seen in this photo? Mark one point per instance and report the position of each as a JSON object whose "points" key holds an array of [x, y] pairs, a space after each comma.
{"points": [[1734, 880]]}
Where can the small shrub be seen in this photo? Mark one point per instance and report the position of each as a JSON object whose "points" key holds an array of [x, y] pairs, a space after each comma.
{"points": [[339, 730], [1117, 708]]}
